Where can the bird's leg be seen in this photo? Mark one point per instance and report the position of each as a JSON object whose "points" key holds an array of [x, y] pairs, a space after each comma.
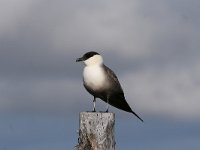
{"points": [[107, 106], [94, 104]]}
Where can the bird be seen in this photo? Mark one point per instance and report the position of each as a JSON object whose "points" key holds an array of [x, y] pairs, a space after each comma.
{"points": [[101, 82]]}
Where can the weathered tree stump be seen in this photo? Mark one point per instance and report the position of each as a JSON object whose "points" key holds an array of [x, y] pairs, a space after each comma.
{"points": [[96, 131]]}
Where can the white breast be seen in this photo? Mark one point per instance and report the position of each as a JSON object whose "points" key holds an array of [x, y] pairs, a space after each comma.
{"points": [[94, 77]]}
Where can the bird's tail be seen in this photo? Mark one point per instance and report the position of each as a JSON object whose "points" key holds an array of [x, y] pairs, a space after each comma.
{"points": [[137, 116], [119, 101]]}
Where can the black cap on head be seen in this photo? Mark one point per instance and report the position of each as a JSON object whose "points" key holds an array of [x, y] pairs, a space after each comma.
{"points": [[90, 54], [87, 55]]}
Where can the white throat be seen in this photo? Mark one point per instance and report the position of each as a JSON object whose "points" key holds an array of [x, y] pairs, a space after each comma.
{"points": [[94, 77], [94, 60], [93, 73]]}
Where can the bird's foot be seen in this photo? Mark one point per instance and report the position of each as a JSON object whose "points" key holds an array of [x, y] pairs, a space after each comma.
{"points": [[91, 111], [106, 111], [94, 110]]}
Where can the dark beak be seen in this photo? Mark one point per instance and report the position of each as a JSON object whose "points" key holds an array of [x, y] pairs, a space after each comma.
{"points": [[79, 59]]}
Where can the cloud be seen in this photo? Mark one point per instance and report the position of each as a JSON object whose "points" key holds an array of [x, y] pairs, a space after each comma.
{"points": [[170, 91], [44, 95], [152, 46], [12, 12]]}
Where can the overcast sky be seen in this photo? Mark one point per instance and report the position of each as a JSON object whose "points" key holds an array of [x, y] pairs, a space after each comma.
{"points": [[153, 47]]}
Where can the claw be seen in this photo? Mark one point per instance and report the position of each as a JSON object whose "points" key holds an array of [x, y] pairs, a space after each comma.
{"points": [[94, 104]]}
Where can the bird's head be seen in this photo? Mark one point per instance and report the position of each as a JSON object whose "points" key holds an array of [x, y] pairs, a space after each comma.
{"points": [[91, 58]]}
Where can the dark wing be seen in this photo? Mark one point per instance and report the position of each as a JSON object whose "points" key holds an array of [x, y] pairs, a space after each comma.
{"points": [[116, 95], [113, 80], [116, 98]]}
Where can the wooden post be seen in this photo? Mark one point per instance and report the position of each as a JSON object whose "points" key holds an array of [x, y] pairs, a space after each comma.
{"points": [[96, 131]]}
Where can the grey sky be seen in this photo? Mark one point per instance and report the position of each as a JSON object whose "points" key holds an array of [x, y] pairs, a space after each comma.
{"points": [[153, 46]]}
